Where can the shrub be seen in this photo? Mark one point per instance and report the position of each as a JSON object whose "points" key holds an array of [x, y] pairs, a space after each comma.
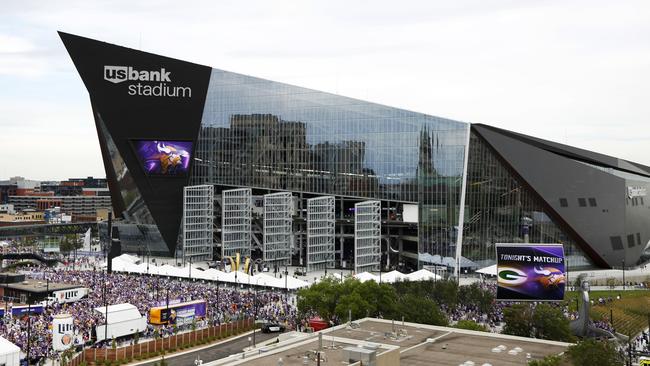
{"points": [[470, 325], [552, 360], [592, 352]]}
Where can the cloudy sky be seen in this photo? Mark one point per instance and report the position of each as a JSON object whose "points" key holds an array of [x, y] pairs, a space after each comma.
{"points": [[576, 72]]}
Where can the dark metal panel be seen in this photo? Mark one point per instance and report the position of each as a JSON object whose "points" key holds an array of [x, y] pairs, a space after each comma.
{"points": [[129, 115], [553, 176]]}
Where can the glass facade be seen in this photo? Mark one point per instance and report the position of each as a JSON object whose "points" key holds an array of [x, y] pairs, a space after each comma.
{"points": [[240, 132], [262, 134], [500, 209]]}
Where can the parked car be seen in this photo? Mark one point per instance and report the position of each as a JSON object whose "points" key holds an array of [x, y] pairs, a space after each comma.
{"points": [[272, 328]]}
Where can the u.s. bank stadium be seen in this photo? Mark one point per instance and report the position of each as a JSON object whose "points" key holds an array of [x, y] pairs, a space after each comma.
{"points": [[206, 163]]}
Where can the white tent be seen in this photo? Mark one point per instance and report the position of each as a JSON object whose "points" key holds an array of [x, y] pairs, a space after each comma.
{"points": [[129, 258], [9, 353], [336, 276], [422, 275], [167, 270], [366, 276], [127, 263], [202, 275], [214, 275], [392, 276], [235, 277], [489, 270], [295, 283], [262, 279]]}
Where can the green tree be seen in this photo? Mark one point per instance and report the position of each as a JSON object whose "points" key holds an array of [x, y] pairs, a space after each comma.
{"points": [[470, 325], [550, 323], [352, 302], [322, 297], [591, 352], [552, 360], [418, 309], [518, 319], [475, 295], [445, 292]]}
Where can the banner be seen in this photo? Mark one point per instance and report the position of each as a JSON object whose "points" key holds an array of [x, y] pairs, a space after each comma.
{"points": [[534, 272], [62, 332], [179, 314], [25, 309], [71, 295]]}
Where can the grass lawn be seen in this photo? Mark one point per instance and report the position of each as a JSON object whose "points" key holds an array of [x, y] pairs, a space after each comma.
{"points": [[630, 312]]}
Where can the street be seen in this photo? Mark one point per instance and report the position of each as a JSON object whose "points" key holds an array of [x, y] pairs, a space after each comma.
{"points": [[215, 352]]}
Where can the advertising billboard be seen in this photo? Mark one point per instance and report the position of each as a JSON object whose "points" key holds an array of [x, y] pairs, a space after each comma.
{"points": [[71, 295], [180, 313], [534, 272], [167, 158], [62, 332]]}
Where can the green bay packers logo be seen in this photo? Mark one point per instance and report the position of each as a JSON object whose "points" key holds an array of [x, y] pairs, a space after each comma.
{"points": [[509, 276]]}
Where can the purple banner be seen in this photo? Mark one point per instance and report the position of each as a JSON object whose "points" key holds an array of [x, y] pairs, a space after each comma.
{"points": [[24, 309], [183, 311], [164, 157], [533, 272]]}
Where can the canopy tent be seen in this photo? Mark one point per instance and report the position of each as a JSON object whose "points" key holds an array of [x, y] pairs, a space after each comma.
{"points": [[392, 276], [262, 279], [127, 264], [366, 276], [489, 270], [446, 261], [295, 283], [422, 275], [336, 276]]}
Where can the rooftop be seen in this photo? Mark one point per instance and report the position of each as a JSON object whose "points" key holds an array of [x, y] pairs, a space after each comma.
{"points": [[38, 286], [401, 344]]}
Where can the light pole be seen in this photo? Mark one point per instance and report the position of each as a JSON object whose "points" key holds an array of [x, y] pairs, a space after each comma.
{"points": [[380, 263], [106, 310], [623, 274], [254, 315], [286, 273], [29, 327]]}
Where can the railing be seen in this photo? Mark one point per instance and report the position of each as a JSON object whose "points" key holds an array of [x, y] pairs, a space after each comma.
{"points": [[157, 347]]}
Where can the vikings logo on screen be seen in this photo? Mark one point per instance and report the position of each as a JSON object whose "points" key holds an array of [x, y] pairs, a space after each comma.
{"points": [[164, 157], [530, 272]]}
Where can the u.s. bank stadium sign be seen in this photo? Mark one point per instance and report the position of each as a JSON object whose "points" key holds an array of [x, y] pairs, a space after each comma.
{"points": [[636, 192], [150, 83]]}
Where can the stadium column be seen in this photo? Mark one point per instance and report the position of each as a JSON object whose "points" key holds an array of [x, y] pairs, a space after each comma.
{"points": [[623, 274], [461, 211]]}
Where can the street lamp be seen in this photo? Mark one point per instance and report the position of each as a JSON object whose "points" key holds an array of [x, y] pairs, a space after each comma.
{"points": [[286, 273], [29, 326], [254, 314], [106, 310], [623, 274]]}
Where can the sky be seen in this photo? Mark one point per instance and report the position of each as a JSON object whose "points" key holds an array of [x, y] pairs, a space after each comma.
{"points": [[574, 72]]}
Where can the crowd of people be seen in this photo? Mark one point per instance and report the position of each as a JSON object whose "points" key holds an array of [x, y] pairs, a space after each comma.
{"points": [[225, 303]]}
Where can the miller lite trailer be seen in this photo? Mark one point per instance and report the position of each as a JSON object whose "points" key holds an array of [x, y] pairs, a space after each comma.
{"points": [[70, 295]]}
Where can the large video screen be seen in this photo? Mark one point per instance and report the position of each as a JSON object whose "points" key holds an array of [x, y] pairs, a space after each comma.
{"points": [[168, 158], [534, 272]]}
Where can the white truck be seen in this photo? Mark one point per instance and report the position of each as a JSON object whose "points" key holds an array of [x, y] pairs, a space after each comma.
{"points": [[67, 296], [123, 320]]}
